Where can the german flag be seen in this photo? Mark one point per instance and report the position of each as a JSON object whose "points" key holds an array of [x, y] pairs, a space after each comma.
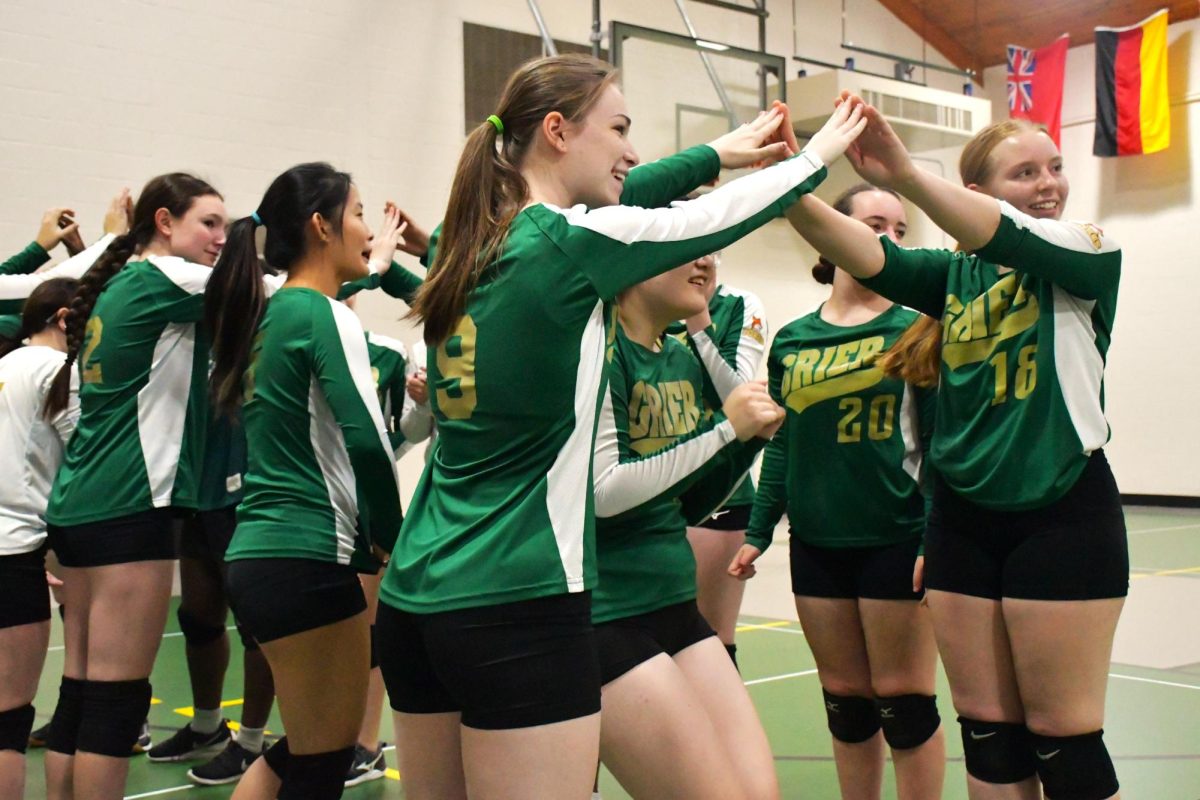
{"points": [[1132, 112]]}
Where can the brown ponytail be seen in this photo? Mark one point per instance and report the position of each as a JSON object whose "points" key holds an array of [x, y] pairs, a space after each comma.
{"points": [[40, 310], [488, 190], [175, 192], [916, 356]]}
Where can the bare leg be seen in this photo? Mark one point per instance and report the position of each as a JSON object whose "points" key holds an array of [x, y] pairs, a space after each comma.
{"points": [[259, 783], [903, 656], [718, 594], [22, 654], [653, 723], [368, 734], [202, 595], [429, 748], [75, 597], [556, 760], [833, 628], [973, 641]]}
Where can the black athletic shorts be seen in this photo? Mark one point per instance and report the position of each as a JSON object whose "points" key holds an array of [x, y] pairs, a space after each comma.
{"points": [[277, 597], [882, 572], [144, 536], [1073, 549], [24, 594], [625, 643], [730, 518], [206, 535], [507, 666]]}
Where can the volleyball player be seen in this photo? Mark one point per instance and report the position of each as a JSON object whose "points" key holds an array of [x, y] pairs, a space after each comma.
{"points": [[1027, 563], [321, 496], [846, 468], [32, 445], [485, 620]]}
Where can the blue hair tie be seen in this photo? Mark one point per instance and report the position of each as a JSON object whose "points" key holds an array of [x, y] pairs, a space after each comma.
{"points": [[257, 219]]}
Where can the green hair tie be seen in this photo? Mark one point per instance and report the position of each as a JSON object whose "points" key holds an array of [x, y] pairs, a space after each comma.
{"points": [[492, 118]]}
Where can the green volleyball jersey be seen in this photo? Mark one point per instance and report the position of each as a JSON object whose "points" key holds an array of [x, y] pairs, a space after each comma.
{"points": [[143, 367], [655, 428], [223, 469], [846, 464], [10, 326], [321, 482], [1021, 398], [388, 369], [731, 349], [503, 511], [26, 261], [18, 279]]}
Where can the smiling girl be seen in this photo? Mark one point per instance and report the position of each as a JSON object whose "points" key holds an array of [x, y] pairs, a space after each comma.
{"points": [[1027, 564]]}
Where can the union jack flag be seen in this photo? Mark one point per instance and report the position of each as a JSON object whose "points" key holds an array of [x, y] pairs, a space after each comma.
{"points": [[1021, 64]]}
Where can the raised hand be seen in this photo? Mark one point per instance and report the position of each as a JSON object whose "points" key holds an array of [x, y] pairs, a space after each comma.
{"points": [[751, 411], [754, 142], [390, 235], [839, 131], [57, 224], [742, 567], [878, 155], [416, 239], [118, 218]]}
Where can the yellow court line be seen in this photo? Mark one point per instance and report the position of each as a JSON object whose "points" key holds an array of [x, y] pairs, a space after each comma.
{"points": [[1160, 573], [154, 701], [394, 774], [756, 627], [190, 711]]}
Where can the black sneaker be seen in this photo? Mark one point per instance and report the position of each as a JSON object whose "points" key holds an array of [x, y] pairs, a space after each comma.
{"points": [[37, 738], [367, 766], [228, 767], [185, 744], [143, 742]]}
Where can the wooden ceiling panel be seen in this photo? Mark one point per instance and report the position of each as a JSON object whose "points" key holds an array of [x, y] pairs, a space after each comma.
{"points": [[973, 34]]}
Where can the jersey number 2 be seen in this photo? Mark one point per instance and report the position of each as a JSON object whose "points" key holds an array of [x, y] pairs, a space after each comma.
{"points": [[456, 363]]}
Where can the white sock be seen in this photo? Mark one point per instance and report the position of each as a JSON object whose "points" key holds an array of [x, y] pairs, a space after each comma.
{"points": [[206, 720], [250, 739]]}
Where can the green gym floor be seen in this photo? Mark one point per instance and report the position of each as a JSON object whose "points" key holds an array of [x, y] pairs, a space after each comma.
{"points": [[1153, 700]]}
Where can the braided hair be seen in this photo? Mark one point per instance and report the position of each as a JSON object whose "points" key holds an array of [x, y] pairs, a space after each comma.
{"points": [[175, 191]]}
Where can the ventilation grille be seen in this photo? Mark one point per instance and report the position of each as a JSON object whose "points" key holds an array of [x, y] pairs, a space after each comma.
{"points": [[958, 119]]}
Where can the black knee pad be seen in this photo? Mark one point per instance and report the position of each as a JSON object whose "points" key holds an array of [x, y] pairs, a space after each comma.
{"points": [[277, 756], [15, 725], [851, 719], [908, 720], [374, 648], [997, 752], [113, 713], [64, 725], [196, 631], [248, 642], [319, 776], [1075, 767]]}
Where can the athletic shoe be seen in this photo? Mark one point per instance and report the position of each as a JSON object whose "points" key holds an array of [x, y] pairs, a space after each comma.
{"points": [[367, 766], [143, 742], [37, 738], [185, 744], [227, 767]]}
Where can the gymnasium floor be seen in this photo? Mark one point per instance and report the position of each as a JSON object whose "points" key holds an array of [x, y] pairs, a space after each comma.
{"points": [[1153, 708]]}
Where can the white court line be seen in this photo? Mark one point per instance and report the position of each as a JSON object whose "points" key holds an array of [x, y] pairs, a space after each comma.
{"points": [[1168, 528], [750, 626], [780, 677], [168, 790], [1152, 680]]}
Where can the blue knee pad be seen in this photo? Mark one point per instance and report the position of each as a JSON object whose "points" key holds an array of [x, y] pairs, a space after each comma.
{"points": [[318, 776], [1075, 767], [852, 720], [113, 713], [64, 725], [15, 725], [908, 720], [997, 752], [196, 631]]}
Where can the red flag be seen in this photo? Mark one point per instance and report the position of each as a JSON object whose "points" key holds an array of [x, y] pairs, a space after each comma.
{"points": [[1035, 83]]}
